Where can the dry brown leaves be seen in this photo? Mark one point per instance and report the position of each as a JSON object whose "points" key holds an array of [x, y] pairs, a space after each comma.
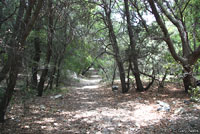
{"points": [[92, 107]]}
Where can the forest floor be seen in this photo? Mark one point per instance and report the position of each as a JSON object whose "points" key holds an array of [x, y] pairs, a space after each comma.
{"points": [[91, 107]]}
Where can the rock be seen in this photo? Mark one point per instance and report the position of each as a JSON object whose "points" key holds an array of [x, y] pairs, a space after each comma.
{"points": [[27, 126], [174, 102], [99, 132], [196, 106], [166, 109], [179, 111], [42, 107], [115, 88], [56, 96], [139, 98], [55, 124], [162, 103], [163, 106], [105, 131], [132, 129], [43, 127], [186, 102]]}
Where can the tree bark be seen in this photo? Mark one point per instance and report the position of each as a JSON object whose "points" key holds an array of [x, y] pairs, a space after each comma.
{"points": [[51, 81], [134, 55], [36, 60], [115, 47], [188, 58], [49, 51], [1, 15], [17, 45], [16, 62]]}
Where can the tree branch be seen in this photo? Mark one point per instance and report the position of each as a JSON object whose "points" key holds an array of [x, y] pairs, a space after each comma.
{"points": [[166, 34]]}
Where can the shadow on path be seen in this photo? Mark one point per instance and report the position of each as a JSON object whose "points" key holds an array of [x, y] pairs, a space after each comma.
{"points": [[91, 107]]}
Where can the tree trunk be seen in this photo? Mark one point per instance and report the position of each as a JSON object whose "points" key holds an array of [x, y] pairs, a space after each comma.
{"points": [[58, 77], [16, 64], [115, 47], [140, 87], [44, 73], [122, 77], [134, 57], [87, 69], [189, 57], [195, 43], [1, 15], [186, 83], [5, 69], [36, 60], [49, 51], [128, 76], [161, 83], [58, 71], [114, 74], [17, 45], [51, 81], [188, 79]]}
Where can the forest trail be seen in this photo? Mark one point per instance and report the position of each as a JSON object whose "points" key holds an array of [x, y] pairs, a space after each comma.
{"points": [[90, 107]]}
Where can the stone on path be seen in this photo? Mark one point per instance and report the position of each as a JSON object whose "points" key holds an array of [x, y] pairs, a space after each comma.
{"points": [[163, 106]]}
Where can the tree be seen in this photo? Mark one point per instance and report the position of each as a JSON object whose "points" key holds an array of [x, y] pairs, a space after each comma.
{"points": [[24, 22], [107, 6], [36, 57], [40, 87], [133, 53], [188, 57]]}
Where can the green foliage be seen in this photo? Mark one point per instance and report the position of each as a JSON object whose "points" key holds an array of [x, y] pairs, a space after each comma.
{"points": [[56, 91], [192, 18], [78, 56], [42, 35], [107, 64], [195, 94]]}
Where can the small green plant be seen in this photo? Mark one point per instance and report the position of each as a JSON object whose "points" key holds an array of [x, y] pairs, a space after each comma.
{"points": [[195, 94], [55, 91]]}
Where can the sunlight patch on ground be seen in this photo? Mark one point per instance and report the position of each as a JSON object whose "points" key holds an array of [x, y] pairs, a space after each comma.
{"points": [[48, 120], [90, 103], [147, 113], [48, 128], [94, 108], [143, 115], [95, 80], [90, 87]]}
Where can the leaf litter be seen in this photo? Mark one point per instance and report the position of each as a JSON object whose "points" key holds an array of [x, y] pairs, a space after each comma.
{"points": [[91, 107]]}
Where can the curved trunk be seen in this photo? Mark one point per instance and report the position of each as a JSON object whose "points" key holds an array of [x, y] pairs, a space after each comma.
{"points": [[188, 79], [134, 54], [115, 47], [140, 87], [136, 73], [49, 51], [15, 59], [44, 73], [16, 64], [51, 81]]}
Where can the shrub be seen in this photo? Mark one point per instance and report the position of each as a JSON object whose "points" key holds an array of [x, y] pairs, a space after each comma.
{"points": [[195, 94]]}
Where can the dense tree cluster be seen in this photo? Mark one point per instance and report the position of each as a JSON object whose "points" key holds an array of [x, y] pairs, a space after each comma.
{"points": [[43, 40]]}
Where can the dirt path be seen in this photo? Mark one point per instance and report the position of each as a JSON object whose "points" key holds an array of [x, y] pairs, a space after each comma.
{"points": [[92, 108]]}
